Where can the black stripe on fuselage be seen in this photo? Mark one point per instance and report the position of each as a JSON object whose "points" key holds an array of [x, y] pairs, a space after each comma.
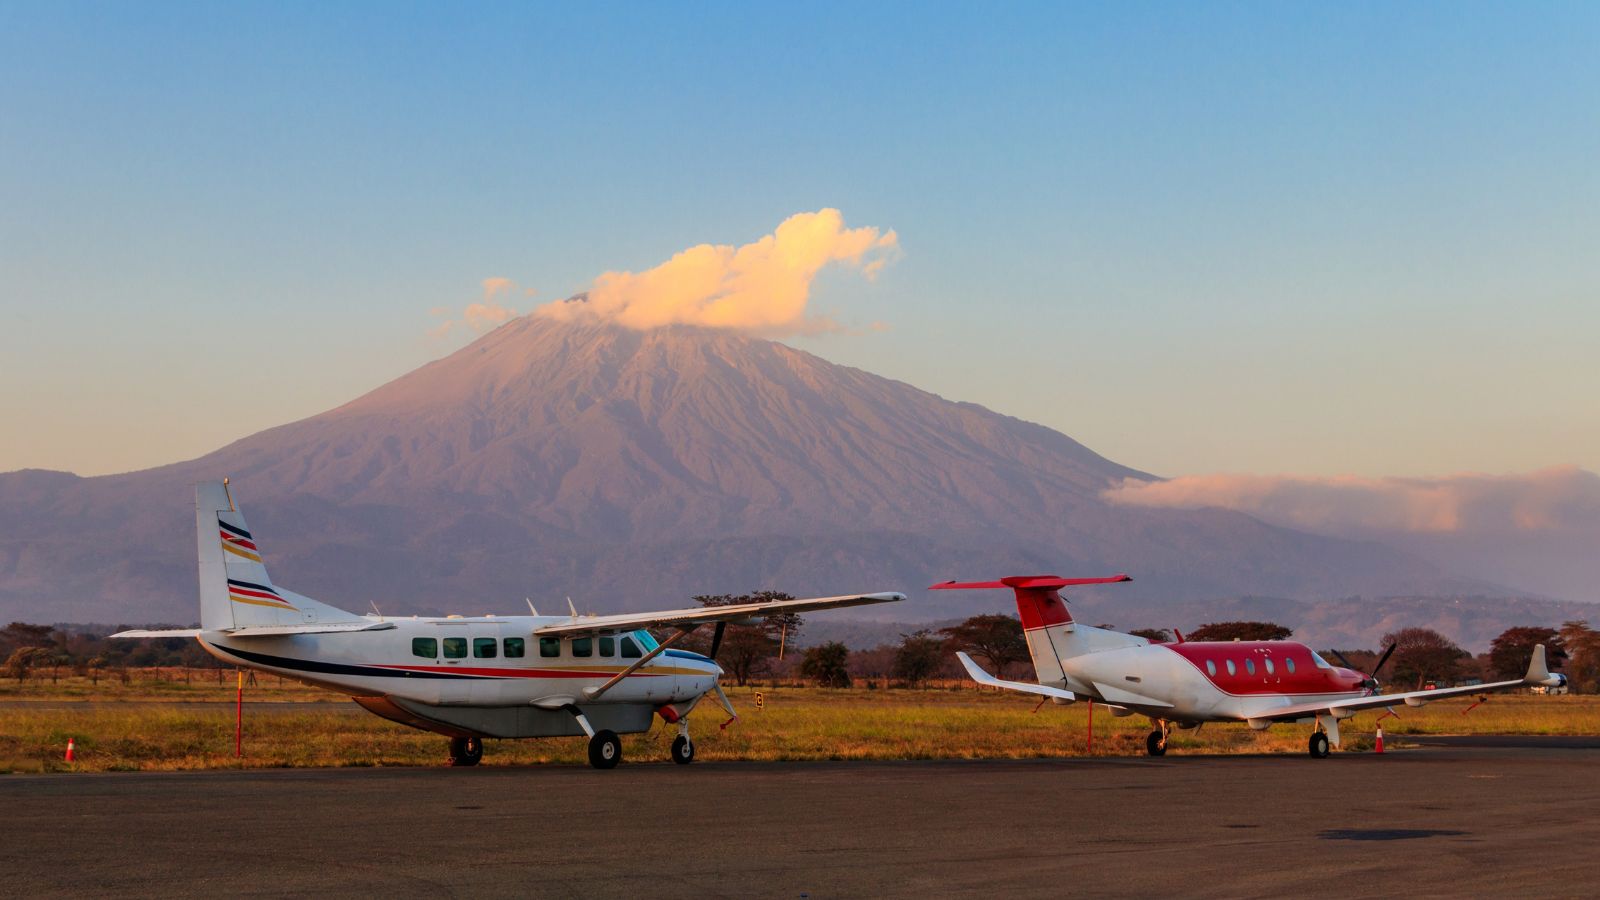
{"points": [[239, 531], [328, 668]]}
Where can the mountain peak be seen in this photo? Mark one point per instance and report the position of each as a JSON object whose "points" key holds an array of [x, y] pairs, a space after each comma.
{"points": [[549, 458]]}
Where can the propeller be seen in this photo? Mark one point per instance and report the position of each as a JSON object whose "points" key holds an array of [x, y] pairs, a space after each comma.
{"points": [[1372, 677], [716, 639]]}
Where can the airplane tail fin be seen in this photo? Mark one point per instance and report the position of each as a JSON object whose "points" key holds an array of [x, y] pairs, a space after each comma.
{"points": [[1045, 619], [235, 590]]}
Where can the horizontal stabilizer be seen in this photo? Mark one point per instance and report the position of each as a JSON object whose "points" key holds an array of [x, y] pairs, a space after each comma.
{"points": [[159, 633], [1027, 581], [982, 677]]}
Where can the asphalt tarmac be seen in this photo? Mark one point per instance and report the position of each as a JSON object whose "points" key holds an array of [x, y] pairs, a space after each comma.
{"points": [[1457, 817]]}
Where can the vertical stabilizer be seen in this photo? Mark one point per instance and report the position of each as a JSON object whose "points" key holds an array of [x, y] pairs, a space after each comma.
{"points": [[1046, 624], [235, 590]]}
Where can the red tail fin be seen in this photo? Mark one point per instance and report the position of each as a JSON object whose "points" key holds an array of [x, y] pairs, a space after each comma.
{"points": [[1037, 601]]}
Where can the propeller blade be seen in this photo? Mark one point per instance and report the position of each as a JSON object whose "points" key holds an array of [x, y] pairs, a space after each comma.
{"points": [[1383, 659], [716, 639], [1340, 657]]}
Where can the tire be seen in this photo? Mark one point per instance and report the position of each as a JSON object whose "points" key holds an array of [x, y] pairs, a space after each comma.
{"points": [[467, 751], [682, 750], [605, 750], [1156, 744], [1318, 745]]}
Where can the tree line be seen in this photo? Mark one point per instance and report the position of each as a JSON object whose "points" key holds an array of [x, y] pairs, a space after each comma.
{"points": [[766, 648]]}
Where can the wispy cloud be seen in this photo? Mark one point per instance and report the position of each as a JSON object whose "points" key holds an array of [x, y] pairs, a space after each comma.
{"points": [[485, 315], [761, 287], [1558, 498]]}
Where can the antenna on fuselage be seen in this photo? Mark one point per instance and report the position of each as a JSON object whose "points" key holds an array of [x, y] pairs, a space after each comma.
{"points": [[570, 608], [375, 610], [529, 601]]}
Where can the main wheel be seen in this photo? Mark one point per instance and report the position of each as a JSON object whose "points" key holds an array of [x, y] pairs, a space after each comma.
{"points": [[682, 750], [1156, 744], [466, 751], [1318, 745], [605, 750]]}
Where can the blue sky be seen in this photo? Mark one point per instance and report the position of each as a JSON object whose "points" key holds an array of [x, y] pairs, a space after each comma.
{"points": [[1246, 238]]}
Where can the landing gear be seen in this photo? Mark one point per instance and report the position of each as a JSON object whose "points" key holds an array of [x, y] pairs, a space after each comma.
{"points": [[466, 751], [1318, 745], [1156, 743], [682, 750], [605, 749]]}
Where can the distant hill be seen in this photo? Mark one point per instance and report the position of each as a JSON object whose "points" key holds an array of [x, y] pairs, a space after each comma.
{"points": [[630, 469]]}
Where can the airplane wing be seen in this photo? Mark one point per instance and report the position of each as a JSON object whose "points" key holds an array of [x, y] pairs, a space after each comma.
{"points": [[700, 615], [982, 677], [1538, 675], [261, 630]]}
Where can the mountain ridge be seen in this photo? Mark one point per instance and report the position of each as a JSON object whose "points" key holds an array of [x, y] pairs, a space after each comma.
{"points": [[634, 468]]}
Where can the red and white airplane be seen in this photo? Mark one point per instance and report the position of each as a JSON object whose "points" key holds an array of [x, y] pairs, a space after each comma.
{"points": [[1188, 683]]}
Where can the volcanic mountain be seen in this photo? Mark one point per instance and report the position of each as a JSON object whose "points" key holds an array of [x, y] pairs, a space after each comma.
{"points": [[634, 468]]}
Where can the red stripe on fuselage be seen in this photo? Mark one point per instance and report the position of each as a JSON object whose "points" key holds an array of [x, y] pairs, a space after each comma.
{"points": [[1307, 677]]}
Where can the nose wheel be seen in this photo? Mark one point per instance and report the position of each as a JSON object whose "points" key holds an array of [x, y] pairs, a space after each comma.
{"points": [[466, 751], [682, 750]]}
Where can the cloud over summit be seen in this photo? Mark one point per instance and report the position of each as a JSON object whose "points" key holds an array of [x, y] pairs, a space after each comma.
{"points": [[761, 287]]}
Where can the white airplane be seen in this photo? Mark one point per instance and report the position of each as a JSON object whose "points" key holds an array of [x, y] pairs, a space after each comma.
{"points": [[1189, 683], [467, 678]]}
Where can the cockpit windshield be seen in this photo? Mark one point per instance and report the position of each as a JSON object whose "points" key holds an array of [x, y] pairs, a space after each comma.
{"points": [[1321, 663], [645, 640]]}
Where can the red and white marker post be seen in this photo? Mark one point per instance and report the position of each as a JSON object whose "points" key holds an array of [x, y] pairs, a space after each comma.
{"points": [[70, 747]]}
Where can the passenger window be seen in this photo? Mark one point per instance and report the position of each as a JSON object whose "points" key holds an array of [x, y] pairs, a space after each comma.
{"points": [[1231, 669], [630, 650], [1290, 663], [583, 646], [484, 648], [1269, 667], [549, 647], [1211, 668], [515, 648], [1250, 666], [455, 648], [608, 645], [427, 648]]}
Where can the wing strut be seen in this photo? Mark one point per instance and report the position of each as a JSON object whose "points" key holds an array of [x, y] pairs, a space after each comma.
{"points": [[595, 692]]}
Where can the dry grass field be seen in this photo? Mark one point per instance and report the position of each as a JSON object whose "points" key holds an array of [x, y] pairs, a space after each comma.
{"points": [[166, 721]]}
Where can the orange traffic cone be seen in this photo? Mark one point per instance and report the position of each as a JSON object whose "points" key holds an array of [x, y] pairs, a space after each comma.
{"points": [[1379, 747], [69, 749]]}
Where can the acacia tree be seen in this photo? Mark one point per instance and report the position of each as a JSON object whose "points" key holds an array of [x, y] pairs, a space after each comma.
{"points": [[1582, 644], [827, 665], [917, 657], [1241, 631], [996, 638], [1510, 652], [1153, 635], [1421, 654], [747, 650]]}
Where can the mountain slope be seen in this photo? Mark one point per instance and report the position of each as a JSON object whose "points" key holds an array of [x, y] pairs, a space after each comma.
{"points": [[630, 468]]}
